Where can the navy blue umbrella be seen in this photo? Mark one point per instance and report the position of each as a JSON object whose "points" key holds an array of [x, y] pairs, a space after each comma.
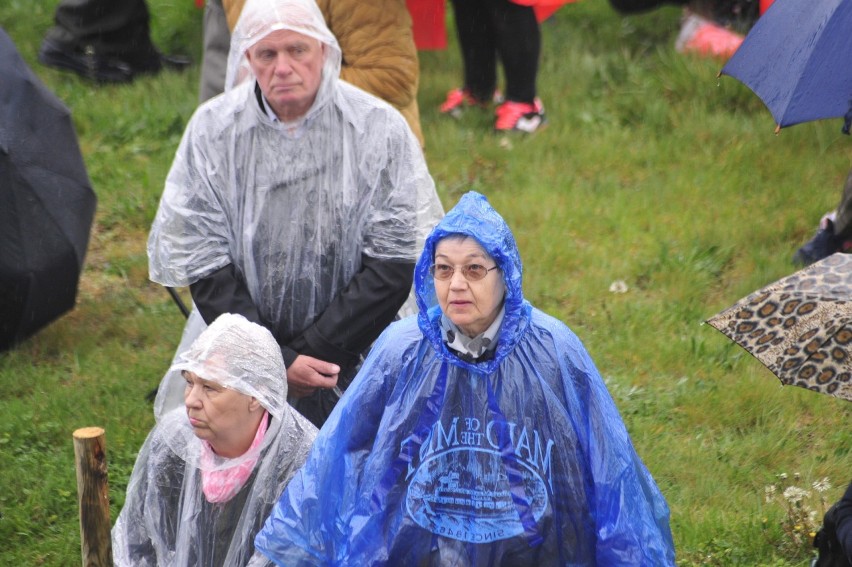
{"points": [[798, 59]]}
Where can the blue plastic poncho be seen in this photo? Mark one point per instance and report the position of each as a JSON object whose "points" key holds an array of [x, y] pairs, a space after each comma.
{"points": [[430, 460]]}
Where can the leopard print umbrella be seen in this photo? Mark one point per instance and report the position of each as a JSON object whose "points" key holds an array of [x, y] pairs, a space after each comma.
{"points": [[800, 327]]}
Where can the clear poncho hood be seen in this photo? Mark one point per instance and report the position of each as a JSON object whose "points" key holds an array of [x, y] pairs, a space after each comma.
{"points": [[166, 518], [242, 356], [259, 18], [429, 460]]}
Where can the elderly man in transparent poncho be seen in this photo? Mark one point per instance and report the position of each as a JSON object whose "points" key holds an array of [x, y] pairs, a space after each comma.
{"points": [[477, 433], [209, 472], [296, 200]]}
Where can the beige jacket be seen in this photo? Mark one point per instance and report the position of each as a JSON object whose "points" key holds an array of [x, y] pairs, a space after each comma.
{"points": [[378, 48]]}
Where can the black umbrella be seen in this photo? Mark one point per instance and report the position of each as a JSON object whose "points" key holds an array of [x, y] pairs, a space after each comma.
{"points": [[46, 202]]}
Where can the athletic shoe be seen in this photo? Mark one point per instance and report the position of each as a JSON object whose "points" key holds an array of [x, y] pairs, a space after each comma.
{"points": [[458, 99], [823, 244], [520, 116], [706, 38]]}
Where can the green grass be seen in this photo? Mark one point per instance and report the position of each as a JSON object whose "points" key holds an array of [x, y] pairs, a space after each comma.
{"points": [[653, 171]]}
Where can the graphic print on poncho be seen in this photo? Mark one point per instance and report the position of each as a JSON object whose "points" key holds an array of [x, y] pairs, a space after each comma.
{"points": [[459, 483]]}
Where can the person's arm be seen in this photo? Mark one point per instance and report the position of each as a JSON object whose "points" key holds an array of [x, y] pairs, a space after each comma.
{"points": [[150, 481], [309, 524], [359, 313], [350, 324], [224, 291], [346, 328]]}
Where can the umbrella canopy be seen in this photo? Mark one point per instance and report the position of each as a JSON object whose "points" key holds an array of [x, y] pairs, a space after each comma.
{"points": [[46, 202], [800, 327], [796, 59]]}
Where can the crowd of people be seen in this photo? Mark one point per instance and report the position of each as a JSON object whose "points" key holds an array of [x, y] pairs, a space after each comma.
{"points": [[322, 258], [361, 380]]}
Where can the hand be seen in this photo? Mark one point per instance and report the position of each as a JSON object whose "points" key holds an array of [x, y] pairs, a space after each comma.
{"points": [[307, 373]]}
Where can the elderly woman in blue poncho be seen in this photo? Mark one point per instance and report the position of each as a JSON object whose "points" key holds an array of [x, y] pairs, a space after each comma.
{"points": [[476, 433]]}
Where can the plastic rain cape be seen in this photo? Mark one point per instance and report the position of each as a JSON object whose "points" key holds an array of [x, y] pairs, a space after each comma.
{"points": [[430, 460], [292, 206], [166, 519]]}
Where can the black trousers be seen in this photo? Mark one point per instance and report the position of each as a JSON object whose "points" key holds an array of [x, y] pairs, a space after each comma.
{"points": [[109, 28], [636, 6], [843, 218], [492, 29]]}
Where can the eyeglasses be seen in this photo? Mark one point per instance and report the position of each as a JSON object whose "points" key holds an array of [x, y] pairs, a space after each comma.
{"points": [[471, 272]]}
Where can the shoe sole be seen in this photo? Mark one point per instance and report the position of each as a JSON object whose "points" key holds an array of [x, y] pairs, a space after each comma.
{"points": [[455, 113], [526, 126]]}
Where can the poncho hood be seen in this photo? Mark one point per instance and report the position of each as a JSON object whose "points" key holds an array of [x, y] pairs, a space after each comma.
{"points": [[259, 18], [474, 217], [242, 356]]}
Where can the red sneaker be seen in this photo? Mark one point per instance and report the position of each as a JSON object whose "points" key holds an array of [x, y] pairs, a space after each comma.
{"points": [[707, 39], [458, 99], [520, 116]]}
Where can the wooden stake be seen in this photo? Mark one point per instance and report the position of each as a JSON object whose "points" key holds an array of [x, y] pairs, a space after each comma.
{"points": [[93, 496]]}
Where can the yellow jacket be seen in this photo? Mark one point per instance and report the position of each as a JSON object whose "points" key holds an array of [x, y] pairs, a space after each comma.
{"points": [[378, 48]]}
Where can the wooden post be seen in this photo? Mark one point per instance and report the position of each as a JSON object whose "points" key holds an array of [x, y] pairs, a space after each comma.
{"points": [[93, 496]]}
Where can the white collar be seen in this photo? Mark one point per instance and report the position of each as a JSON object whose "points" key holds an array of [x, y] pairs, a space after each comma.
{"points": [[474, 347]]}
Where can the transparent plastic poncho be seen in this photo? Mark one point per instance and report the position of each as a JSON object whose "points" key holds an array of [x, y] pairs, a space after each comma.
{"points": [[430, 460], [166, 518], [292, 206]]}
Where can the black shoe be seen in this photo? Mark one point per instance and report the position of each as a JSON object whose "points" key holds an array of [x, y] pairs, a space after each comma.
{"points": [[153, 62], [823, 244], [85, 63]]}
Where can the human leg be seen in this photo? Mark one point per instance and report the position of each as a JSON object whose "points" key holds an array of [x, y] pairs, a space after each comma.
{"points": [[478, 48], [843, 214], [110, 27], [518, 38], [479, 57], [834, 233]]}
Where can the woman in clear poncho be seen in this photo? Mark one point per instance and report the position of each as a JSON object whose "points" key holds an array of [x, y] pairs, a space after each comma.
{"points": [[477, 433], [311, 225], [209, 473]]}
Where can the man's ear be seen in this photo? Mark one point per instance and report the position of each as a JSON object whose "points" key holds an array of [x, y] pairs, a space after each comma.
{"points": [[254, 405]]}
